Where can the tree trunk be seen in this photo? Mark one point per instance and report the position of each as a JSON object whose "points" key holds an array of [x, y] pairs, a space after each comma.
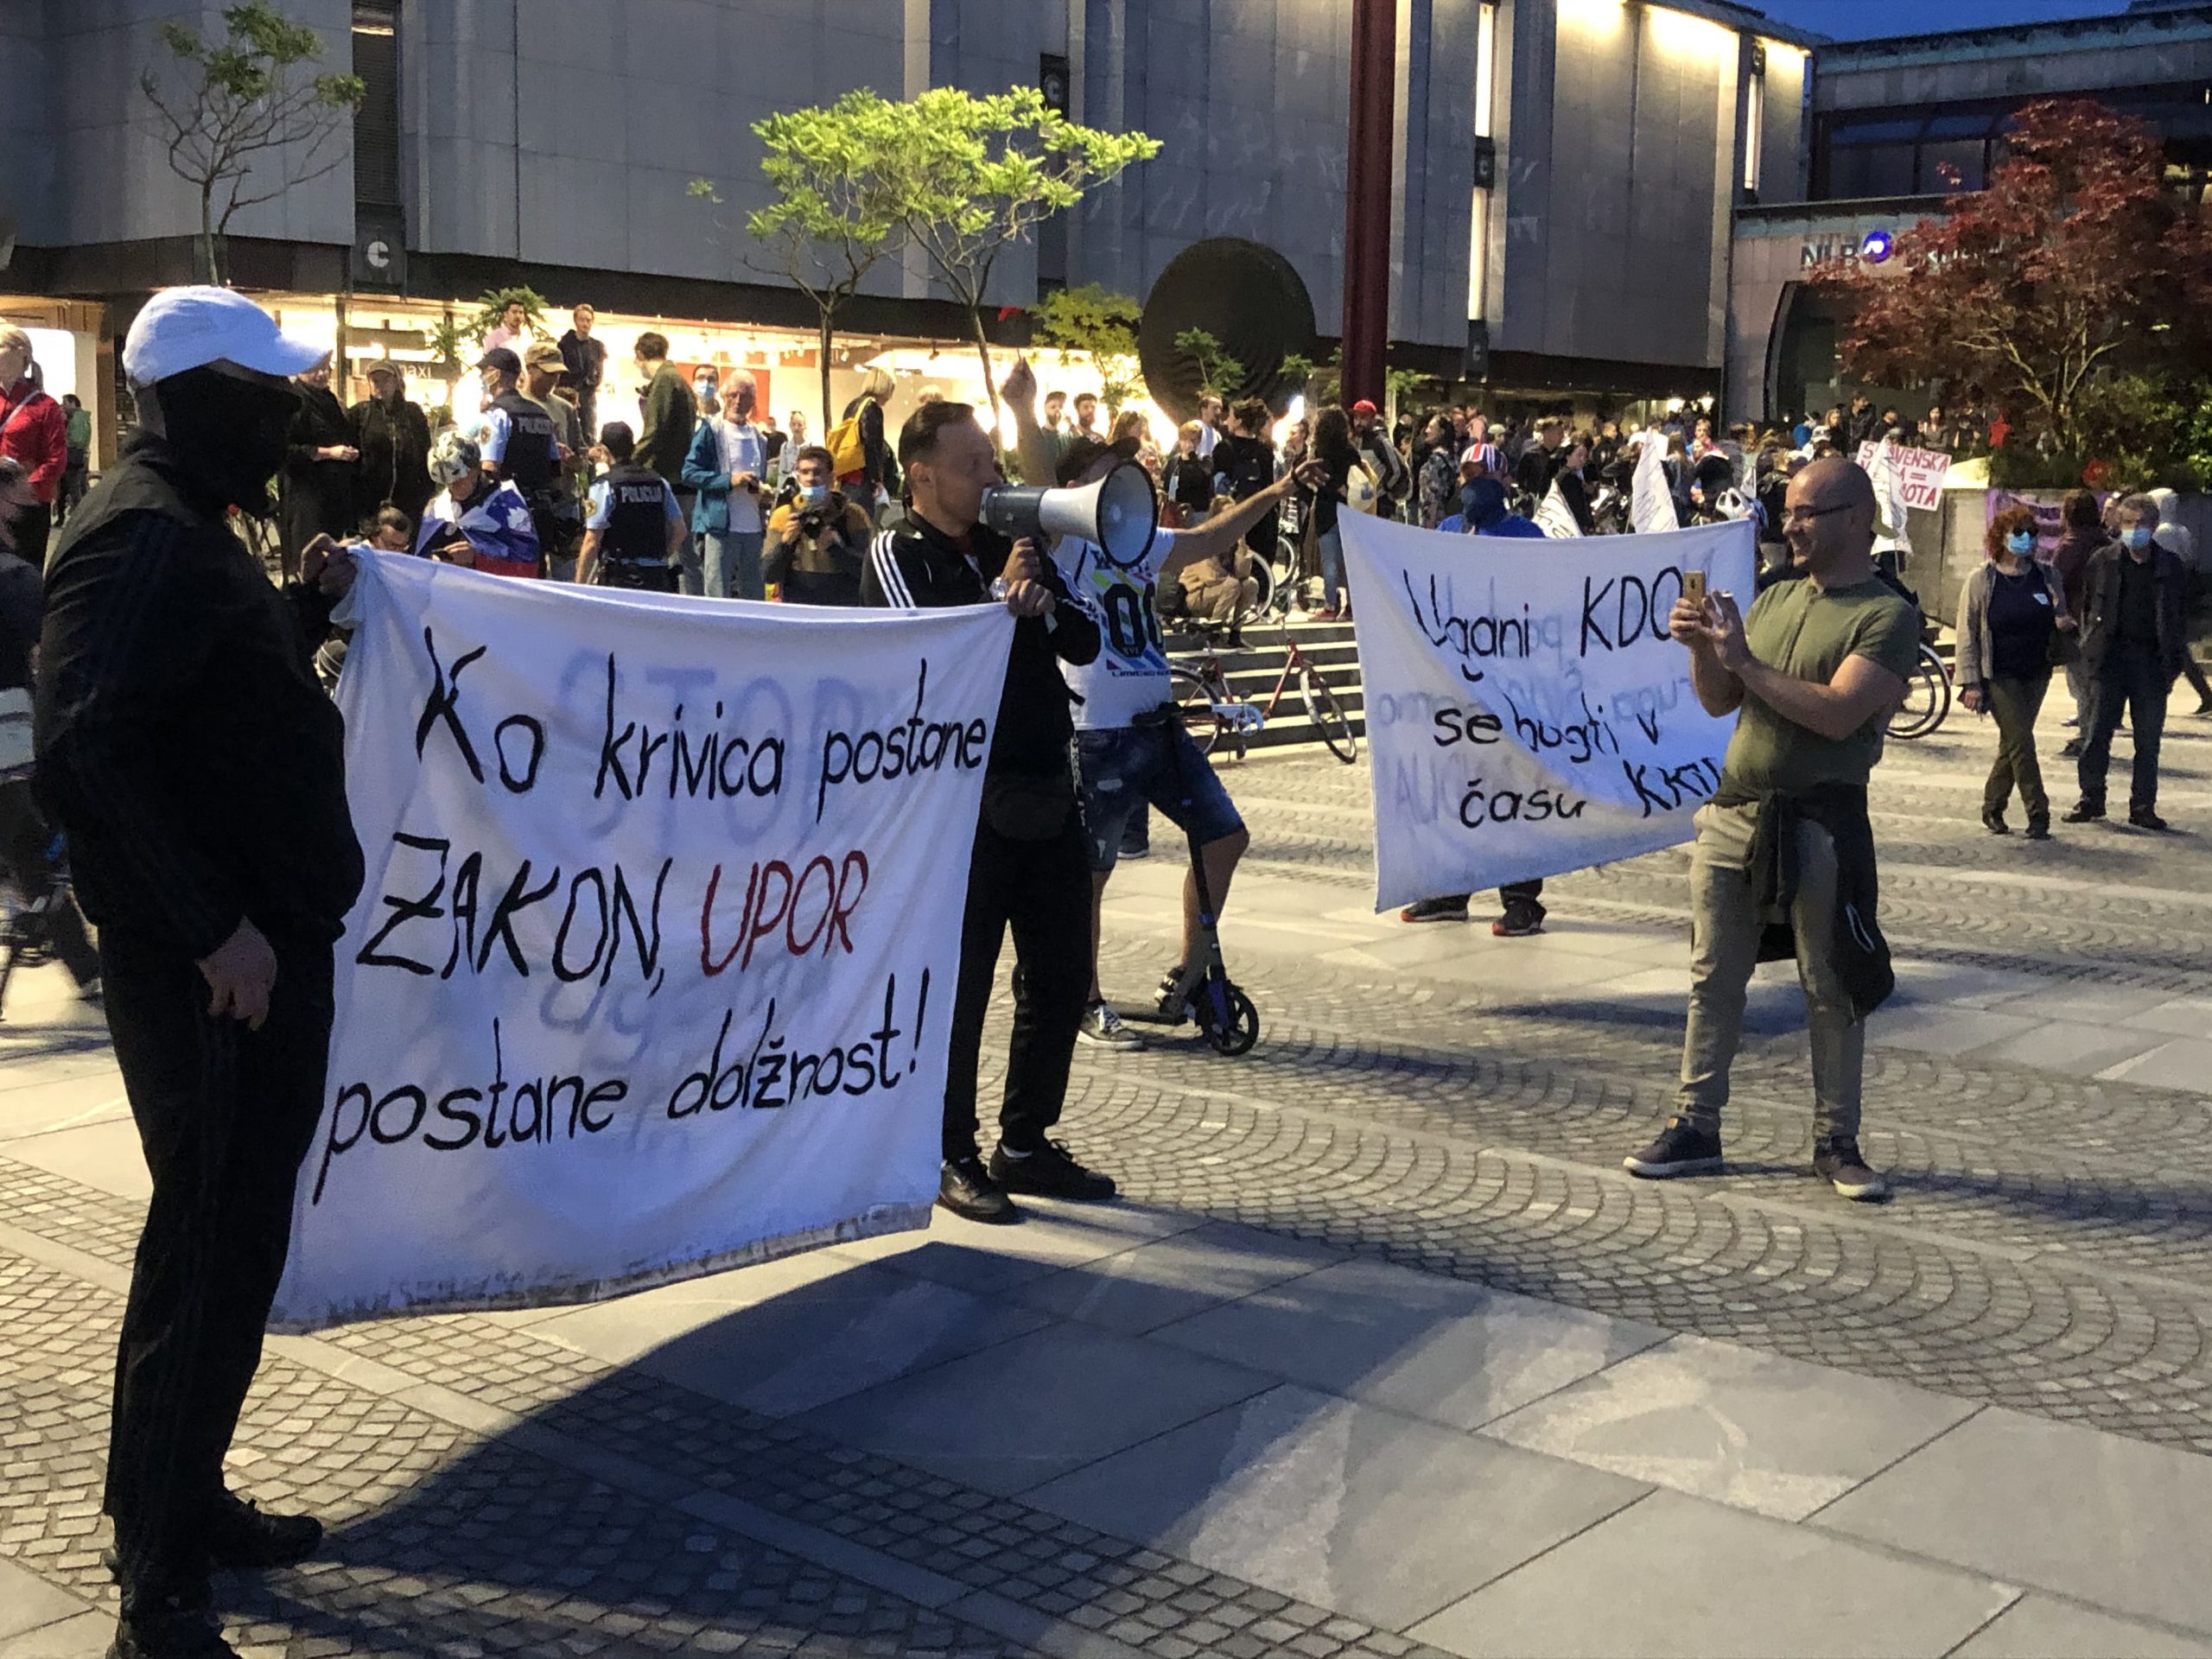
{"points": [[211, 272], [828, 334], [984, 351]]}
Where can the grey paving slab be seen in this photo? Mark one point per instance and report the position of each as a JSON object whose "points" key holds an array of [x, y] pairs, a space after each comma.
{"points": [[808, 1331], [1357, 1508], [1677, 1576], [1030, 1410], [2183, 1063], [2037, 1627], [1432, 1347], [1944, 1030], [1137, 1290], [2109, 1521], [2186, 1016], [104, 1155], [991, 1261], [84, 1637], [72, 1101], [28, 1601], [1746, 1429], [2074, 1047]]}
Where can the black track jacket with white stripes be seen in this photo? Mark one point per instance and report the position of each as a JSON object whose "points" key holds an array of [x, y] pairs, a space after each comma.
{"points": [[916, 565], [183, 743]]}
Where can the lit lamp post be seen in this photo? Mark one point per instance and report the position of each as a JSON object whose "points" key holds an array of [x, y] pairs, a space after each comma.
{"points": [[1367, 198]]}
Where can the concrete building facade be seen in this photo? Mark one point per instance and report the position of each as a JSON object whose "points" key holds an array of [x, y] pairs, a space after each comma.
{"points": [[1898, 125], [1566, 171]]}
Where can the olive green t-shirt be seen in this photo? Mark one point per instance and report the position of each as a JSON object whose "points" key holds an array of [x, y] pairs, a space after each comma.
{"points": [[1807, 633]]}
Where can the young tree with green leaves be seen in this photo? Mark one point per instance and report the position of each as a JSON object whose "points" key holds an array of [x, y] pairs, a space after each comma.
{"points": [[246, 117], [970, 177], [832, 219], [1102, 325], [1218, 373]]}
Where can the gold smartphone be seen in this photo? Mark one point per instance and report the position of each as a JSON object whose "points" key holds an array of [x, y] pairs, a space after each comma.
{"points": [[1693, 587]]}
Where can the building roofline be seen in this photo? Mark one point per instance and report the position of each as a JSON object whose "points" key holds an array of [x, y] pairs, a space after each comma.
{"points": [[2014, 39]]}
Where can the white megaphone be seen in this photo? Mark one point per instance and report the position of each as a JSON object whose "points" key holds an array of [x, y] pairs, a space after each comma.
{"points": [[1120, 513]]}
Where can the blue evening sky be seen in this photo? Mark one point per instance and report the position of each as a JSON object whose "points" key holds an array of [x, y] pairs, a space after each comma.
{"points": [[1857, 19]]}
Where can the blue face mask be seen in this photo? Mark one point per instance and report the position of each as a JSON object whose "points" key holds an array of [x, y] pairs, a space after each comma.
{"points": [[814, 494], [2020, 542], [2136, 536]]}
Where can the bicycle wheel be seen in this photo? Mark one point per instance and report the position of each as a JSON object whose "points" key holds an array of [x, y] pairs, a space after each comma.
{"points": [[1191, 696], [1926, 698], [1263, 599], [1328, 716]]}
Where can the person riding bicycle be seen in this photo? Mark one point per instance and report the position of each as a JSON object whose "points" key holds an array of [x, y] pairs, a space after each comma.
{"points": [[1130, 745]]}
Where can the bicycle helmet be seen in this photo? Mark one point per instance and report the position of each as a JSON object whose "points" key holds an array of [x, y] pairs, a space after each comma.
{"points": [[453, 458]]}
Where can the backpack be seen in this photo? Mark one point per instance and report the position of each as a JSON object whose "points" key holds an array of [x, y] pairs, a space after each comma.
{"points": [[848, 453]]}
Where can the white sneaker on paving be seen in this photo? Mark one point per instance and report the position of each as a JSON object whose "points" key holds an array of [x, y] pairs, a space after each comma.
{"points": [[1103, 1026]]}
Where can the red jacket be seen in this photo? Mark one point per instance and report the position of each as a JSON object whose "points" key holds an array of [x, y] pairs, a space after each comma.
{"points": [[35, 429]]}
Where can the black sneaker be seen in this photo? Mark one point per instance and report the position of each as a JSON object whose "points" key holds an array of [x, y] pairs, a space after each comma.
{"points": [[1050, 1172], [1838, 1163], [170, 1631], [1994, 822], [966, 1188], [240, 1537], [2084, 813], [2072, 748], [1435, 910], [1682, 1148], [1103, 1029], [2144, 818], [2038, 829], [1519, 922]]}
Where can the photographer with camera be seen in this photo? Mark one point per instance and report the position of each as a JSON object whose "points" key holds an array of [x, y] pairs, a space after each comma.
{"points": [[818, 540]]}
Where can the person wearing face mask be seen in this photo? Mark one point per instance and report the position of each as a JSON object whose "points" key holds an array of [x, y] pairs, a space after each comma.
{"points": [[2134, 634], [197, 770], [2012, 614], [817, 540], [477, 520]]}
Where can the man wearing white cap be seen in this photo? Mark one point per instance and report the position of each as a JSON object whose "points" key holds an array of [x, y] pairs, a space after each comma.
{"points": [[195, 766]]}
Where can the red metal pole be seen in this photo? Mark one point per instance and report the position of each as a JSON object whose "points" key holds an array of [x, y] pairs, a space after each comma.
{"points": [[1367, 197]]}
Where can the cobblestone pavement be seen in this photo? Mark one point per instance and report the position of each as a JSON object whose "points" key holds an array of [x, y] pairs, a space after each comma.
{"points": [[492, 1489]]}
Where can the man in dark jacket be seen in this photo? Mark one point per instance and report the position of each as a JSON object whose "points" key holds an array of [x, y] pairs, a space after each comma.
{"points": [[2134, 633], [1029, 870], [2082, 532], [196, 768], [393, 436], [671, 415], [316, 487]]}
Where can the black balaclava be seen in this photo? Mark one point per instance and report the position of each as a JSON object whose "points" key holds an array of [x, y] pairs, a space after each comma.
{"points": [[228, 433]]}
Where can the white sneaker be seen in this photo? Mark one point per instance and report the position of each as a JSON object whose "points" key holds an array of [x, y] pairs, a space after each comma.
{"points": [[1104, 1027]]}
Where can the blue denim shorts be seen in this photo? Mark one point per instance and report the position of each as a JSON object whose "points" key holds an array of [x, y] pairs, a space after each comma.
{"points": [[1118, 772]]}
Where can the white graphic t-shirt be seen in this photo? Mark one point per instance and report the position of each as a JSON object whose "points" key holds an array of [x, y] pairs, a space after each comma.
{"points": [[1129, 676]]}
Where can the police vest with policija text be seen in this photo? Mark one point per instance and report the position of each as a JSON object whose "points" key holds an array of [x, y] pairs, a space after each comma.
{"points": [[636, 515], [529, 463]]}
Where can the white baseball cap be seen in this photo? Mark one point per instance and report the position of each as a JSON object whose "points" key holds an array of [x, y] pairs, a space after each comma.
{"points": [[182, 328]]}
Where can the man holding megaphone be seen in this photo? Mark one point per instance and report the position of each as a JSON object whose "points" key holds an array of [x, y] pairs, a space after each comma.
{"points": [[1027, 870], [1131, 748]]}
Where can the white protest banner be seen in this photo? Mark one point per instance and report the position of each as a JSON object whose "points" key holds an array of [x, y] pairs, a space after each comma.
{"points": [[1527, 712], [1919, 472], [653, 969]]}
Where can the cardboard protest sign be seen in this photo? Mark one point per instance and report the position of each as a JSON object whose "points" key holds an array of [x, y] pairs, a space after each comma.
{"points": [[1527, 712], [653, 969], [1919, 473]]}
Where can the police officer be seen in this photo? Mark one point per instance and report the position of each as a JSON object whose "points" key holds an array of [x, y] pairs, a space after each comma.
{"points": [[520, 444], [634, 529], [195, 766]]}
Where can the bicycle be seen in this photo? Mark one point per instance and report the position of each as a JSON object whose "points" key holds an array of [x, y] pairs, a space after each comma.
{"points": [[1927, 696], [1211, 712]]}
